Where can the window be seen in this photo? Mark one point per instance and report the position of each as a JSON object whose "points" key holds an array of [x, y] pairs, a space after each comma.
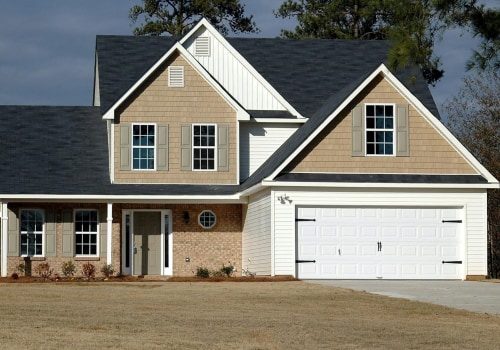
{"points": [[207, 219], [379, 129], [204, 147], [143, 146], [86, 224], [32, 232]]}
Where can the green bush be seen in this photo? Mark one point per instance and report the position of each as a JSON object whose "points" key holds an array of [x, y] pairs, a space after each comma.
{"points": [[202, 272], [68, 268]]}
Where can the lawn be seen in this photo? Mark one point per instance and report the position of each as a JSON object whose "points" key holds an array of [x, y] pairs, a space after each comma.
{"points": [[203, 315]]}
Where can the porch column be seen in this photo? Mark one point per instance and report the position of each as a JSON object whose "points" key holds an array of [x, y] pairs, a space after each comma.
{"points": [[5, 228], [109, 219]]}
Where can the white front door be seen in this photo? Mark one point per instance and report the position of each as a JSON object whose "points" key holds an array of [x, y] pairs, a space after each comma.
{"points": [[368, 243]]}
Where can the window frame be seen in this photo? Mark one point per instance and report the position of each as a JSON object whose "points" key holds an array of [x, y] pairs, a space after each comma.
{"points": [[207, 211], [154, 147], [194, 147], [76, 233], [23, 233], [375, 129]]}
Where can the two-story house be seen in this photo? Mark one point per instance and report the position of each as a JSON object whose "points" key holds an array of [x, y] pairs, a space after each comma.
{"points": [[283, 157]]}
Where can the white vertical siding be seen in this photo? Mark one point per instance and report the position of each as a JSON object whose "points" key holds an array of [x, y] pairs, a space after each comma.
{"points": [[242, 84], [472, 202], [256, 250], [258, 141]]}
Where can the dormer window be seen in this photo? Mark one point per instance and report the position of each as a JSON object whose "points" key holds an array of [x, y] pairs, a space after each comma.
{"points": [[176, 76], [202, 46], [379, 129]]}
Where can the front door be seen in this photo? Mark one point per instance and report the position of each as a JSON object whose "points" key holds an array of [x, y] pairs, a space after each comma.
{"points": [[147, 243]]}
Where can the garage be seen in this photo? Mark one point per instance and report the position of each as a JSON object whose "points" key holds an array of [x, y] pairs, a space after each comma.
{"points": [[379, 243]]}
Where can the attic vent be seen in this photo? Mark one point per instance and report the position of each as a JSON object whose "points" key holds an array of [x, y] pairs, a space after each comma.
{"points": [[176, 76], [202, 46]]}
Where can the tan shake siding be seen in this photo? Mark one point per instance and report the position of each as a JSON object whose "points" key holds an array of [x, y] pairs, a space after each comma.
{"points": [[196, 102], [331, 151]]}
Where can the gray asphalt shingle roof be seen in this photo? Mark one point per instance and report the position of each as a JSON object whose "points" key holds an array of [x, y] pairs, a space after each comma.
{"points": [[64, 150]]}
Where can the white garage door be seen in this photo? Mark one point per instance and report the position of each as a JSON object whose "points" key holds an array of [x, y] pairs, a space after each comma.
{"points": [[391, 243]]}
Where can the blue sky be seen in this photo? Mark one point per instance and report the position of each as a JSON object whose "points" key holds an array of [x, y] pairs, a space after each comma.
{"points": [[47, 47]]}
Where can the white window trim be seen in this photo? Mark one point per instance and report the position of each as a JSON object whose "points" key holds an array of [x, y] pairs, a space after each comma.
{"points": [[204, 147], [207, 211], [97, 233], [154, 147], [176, 77], [394, 129], [43, 233]]}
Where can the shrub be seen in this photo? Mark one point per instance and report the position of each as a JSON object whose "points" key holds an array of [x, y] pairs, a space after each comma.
{"points": [[43, 270], [227, 270], [24, 269], [68, 268], [107, 270], [14, 276], [88, 271], [202, 272]]}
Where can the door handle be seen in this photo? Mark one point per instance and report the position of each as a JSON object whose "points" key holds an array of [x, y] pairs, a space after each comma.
{"points": [[379, 246], [339, 252]]}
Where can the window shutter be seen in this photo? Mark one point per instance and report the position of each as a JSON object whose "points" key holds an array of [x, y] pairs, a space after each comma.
{"points": [[186, 151], [176, 76], [223, 147], [402, 129], [125, 146], [162, 146], [103, 233], [50, 233], [13, 234], [358, 132], [68, 235]]}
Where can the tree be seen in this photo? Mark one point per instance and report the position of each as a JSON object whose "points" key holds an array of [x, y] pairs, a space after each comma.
{"points": [[413, 25], [177, 17], [485, 23], [474, 117]]}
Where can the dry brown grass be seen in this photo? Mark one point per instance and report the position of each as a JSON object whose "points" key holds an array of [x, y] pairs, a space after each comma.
{"points": [[203, 315]]}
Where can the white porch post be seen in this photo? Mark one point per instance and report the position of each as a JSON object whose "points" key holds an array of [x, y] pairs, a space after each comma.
{"points": [[5, 228], [109, 218]]}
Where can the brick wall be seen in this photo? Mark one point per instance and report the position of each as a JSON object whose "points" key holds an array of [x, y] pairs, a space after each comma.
{"points": [[210, 248]]}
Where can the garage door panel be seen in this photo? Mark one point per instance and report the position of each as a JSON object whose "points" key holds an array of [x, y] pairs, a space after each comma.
{"points": [[408, 243]]}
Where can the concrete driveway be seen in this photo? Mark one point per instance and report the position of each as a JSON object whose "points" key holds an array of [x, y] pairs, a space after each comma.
{"points": [[481, 297]]}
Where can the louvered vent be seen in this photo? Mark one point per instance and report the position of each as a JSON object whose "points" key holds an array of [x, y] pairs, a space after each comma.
{"points": [[176, 76], [202, 46]]}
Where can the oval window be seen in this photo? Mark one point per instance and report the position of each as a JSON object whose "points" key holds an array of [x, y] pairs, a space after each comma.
{"points": [[206, 219]]}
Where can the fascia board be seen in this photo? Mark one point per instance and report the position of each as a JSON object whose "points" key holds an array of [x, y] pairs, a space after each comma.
{"points": [[372, 185], [278, 120], [204, 23], [440, 128], [236, 198], [241, 113]]}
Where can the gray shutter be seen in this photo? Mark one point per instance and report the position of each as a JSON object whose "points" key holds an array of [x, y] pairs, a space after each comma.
{"points": [[125, 146], [50, 233], [103, 233], [402, 131], [68, 235], [223, 147], [13, 240], [358, 132], [162, 148], [186, 140]]}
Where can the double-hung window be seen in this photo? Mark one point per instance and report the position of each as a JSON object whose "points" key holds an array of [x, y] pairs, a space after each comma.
{"points": [[380, 121], [204, 146], [143, 146], [32, 232], [86, 232]]}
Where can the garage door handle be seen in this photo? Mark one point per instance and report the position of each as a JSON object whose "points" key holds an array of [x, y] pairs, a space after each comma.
{"points": [[304, 261], [452, 262]]}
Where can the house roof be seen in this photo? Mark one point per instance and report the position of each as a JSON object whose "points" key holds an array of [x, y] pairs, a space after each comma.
{"points": [[305, 72], [63, 151]]}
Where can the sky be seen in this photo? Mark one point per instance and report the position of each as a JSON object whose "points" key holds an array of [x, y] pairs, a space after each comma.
{"points": [[47, 48]]}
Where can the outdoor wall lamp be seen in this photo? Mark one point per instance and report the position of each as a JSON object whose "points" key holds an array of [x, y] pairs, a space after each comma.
{"points": [[185, 216]]}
